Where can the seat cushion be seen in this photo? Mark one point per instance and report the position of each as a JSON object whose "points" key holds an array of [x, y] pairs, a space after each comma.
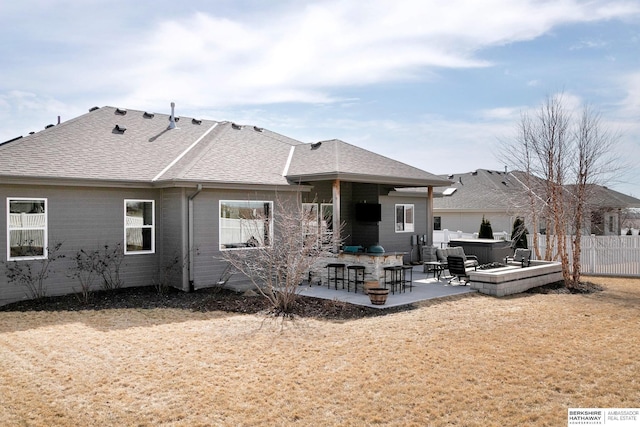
{"points": [[443, 253]]}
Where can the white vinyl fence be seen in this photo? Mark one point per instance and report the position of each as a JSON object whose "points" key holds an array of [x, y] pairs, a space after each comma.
{"points": [[601, 255], [27, 229], [604, 255]]}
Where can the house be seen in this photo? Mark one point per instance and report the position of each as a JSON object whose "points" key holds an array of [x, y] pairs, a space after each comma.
{"points": [[165, 187], [501, 197]]}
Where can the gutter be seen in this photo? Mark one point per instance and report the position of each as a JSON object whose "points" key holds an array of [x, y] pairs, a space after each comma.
{"points": [[190, 234]]}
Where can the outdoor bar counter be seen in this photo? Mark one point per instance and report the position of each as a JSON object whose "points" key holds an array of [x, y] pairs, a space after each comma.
{"points": [[374, 263]]}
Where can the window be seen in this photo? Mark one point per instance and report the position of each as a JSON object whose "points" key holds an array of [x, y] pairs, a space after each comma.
{"points": [[404, 218], [27, 229], [318, 224], [437, 223], [245, 224], [310, 228], [326, 210], [139, 226]]}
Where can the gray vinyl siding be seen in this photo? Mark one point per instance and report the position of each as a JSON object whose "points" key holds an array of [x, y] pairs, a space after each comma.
{"points": [[208, 263], [393, 241], [81, 218], [174, 239]]}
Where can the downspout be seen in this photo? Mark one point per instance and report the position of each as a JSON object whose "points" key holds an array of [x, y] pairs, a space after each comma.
{"points": [[190, 234]]}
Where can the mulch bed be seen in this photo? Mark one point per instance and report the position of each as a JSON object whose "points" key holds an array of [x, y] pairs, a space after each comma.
{"points": [[203, 300], [560, 288], [216, 299]]}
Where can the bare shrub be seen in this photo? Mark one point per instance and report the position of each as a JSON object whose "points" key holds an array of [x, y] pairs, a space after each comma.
{"points": [[32, 274], [162, 278], [278, 264], [87, 268], [111, 260]]}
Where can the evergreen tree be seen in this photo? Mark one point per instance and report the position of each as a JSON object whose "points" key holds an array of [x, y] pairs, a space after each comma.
{"points": [[485, 229], [519, 234]]}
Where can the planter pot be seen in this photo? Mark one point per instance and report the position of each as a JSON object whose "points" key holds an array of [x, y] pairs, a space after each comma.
{"points": [[370, 284], [378, 296]]}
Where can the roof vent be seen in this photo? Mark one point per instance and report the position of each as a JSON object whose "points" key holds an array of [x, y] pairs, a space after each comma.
{"points": [[504, 182], [119, 129], [92, 109], [450, 177], [121, 111], [172, 117], [474, 173], [48, 126], [316, 145], [31, 133], [196, 121], [258, 129], [148, 115], [235, 126], [491, 172]]}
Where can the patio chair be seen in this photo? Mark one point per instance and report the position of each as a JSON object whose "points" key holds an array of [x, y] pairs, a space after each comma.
{"points": [[523, 256], [443, 253], [457, 268]]}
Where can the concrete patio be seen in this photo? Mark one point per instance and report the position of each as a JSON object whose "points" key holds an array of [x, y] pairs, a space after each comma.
{"points": [[424, 288]]}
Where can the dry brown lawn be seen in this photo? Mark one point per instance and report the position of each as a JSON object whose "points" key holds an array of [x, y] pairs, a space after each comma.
{"points": [[471, 361]]}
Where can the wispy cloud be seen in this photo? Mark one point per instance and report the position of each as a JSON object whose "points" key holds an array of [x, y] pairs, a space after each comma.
{"points": [[289, 54], [589, 44]]}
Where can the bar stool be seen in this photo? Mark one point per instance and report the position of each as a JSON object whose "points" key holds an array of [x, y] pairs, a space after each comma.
{"points": [[393, 277], [358, 273], [336, 267], [405, 269]]}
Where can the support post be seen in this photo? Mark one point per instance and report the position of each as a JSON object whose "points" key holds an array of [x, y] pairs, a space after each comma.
{"points": [[336, 214], [429, 241]]}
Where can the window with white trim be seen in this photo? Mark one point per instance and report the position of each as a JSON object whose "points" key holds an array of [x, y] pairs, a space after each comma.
{"points": [[404, 218], [26, 228], [310, 226], [245, 224], [139, 227], [326, 225]]}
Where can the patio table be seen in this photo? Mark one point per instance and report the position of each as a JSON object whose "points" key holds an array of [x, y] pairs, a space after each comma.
{"points": [[435, 267]]}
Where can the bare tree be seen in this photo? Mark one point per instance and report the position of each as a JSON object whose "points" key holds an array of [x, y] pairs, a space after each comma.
{"points": [[561, 158], [540, 152], [594, 159], [278, 265]]}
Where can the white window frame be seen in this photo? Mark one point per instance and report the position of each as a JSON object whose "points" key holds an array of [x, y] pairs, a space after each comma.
{"points": [[405, 227], [143, 226], [221, 228], [325, 229], [311, 225], [44, 228]]}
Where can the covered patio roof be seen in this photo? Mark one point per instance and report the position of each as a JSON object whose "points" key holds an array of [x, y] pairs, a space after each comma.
{"points": [[337, 160]]}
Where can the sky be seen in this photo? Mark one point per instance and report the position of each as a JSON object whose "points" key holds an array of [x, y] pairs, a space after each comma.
{"points": [[437, 84]]}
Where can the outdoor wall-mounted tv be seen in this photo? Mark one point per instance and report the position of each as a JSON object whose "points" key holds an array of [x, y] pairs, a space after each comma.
{"points": [[368, 212]]}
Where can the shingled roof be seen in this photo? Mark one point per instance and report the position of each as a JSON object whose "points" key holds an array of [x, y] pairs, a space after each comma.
{"points": [[496, 191], [114, 146], [481, 190], [335, 159]]}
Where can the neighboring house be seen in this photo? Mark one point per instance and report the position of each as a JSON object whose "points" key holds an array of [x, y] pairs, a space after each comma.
{"points": [[164, 187], [501, 197]]}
